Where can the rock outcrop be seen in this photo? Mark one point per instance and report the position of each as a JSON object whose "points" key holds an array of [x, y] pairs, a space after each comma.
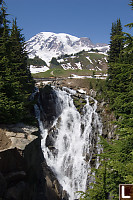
{"points": [[49, 106], [54, 190], [20, 162], [24, 174]]}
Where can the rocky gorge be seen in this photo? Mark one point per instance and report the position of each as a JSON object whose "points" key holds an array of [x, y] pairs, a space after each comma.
{"points": [[24, 172], [71, 119]]}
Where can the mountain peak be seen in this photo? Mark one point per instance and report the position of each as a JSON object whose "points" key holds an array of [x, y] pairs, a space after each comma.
{"points": [[48, 44]]}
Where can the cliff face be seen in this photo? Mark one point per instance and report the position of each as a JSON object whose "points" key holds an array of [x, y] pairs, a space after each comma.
{"points": [[19, 174], [24, 174], [48, 105]]}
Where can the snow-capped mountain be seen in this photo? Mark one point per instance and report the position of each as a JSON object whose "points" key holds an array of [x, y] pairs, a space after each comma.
{"points": [[47, 45]]}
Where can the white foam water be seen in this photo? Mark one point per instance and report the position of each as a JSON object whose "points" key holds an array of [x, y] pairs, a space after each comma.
{"points": [[76, 137]]}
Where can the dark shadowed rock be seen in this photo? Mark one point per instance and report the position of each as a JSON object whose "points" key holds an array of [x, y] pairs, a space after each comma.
{"points": [[50, 109]]}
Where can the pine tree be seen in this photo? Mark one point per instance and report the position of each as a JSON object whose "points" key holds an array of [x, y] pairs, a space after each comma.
{"points": [[4, 63], [22, 79], [116, 163], [1, 29], [131, 4], [120, 92], [19, 58], [115, 58], [16, 83], [116, 43], [4, 39]]}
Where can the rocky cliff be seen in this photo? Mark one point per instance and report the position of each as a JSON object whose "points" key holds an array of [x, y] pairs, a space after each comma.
{"points": [[24, 174], [19, 162]]}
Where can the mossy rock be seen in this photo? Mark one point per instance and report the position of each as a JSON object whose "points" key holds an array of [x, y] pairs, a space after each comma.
{"points": [[79, 103]]}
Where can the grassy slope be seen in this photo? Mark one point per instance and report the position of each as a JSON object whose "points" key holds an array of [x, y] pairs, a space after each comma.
{"points": [[55, 72], [86, 63], [81, 57]]}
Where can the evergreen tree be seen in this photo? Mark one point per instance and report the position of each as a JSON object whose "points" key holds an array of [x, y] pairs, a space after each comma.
{"points": [[116, 43], [120, 87], [18, 57], [131, 4], [4, 63], [54, 61], [115, 57], [36, 61], [116, 161], [16, 83], [4, 39], [1, 30]]}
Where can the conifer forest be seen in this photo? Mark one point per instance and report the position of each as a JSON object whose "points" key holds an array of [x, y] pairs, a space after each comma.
{"points": [[17, 105]]}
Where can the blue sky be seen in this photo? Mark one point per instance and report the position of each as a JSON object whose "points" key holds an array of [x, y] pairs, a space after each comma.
{"points": [[81, 18]]}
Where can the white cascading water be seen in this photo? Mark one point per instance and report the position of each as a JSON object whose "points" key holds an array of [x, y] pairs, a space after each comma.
{"points": [[74, 140]]}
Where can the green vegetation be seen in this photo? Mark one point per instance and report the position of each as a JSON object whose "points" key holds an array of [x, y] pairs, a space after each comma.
{"points": [[16, 86], [79, 103], [36, 62], [96, 56], [59, 72], [64, 56], [117, 158], [116, 43], [85, 58], [16, 83], [86, 63], [54, 62]]}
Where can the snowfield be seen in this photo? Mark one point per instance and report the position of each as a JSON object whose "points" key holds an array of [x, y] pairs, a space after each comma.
{"points": [[47, 45], [34, 69], [104, 76]]}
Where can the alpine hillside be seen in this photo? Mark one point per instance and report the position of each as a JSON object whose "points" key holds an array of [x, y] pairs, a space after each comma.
{"points": [[47, 45]]}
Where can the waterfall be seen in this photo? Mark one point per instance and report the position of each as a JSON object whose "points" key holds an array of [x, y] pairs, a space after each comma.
{"points": [[70, 144]]}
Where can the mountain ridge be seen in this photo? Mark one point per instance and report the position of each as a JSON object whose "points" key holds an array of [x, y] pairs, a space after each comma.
{"points": [[47, 45]]}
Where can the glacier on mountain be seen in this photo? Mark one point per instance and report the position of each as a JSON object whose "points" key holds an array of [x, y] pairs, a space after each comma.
{"points": [[47, 45]]}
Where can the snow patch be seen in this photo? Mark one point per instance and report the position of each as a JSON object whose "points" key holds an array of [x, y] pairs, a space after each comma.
{"points": [[105, 59], [79, 65], [89, 59], [67, 66], [73, 57], [100, 62], [34, 69], [60, 60], [82, 91], [97, 68], [79, 77], [83, 77]]}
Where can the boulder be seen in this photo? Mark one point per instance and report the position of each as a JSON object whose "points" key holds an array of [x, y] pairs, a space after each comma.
{"points": [[16, 167]]}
